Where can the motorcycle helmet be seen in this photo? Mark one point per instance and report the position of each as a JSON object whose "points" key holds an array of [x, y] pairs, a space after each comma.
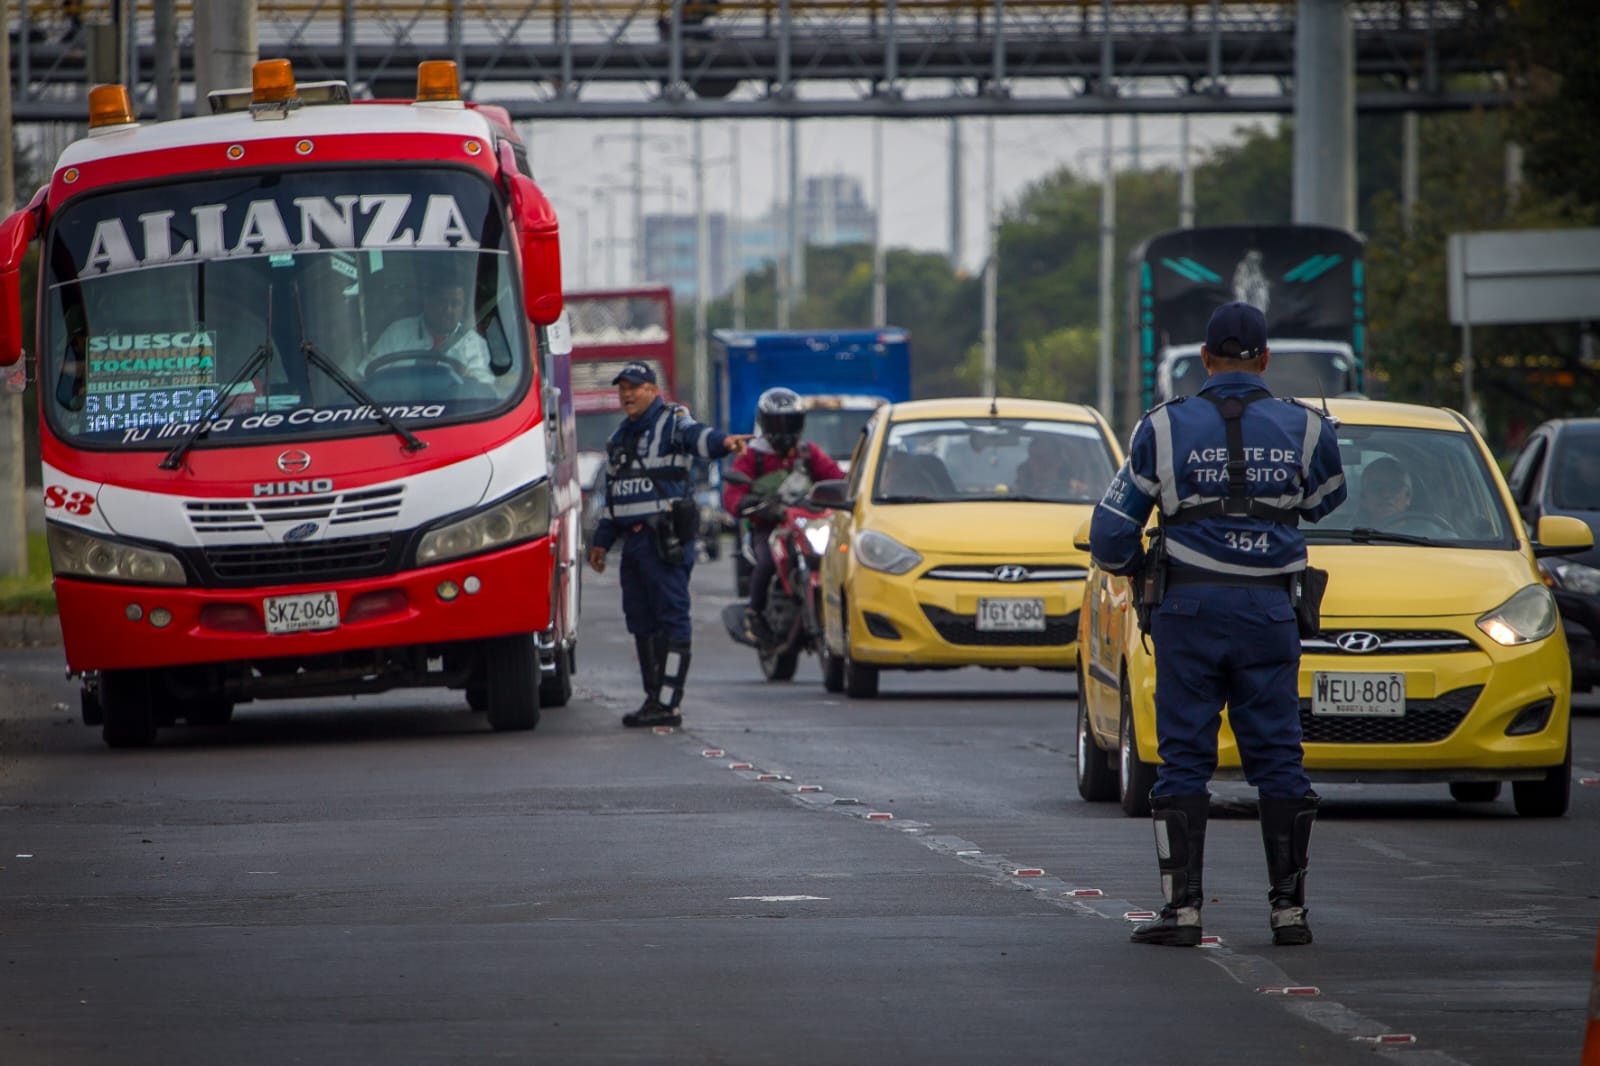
{"points": [[781, 419]]}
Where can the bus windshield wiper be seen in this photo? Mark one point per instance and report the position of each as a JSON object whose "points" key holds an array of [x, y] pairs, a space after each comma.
{"points": [[255, 364], [314, 357]]}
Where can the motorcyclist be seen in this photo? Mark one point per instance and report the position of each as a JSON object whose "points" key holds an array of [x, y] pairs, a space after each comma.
{"points": [[756, 476]]}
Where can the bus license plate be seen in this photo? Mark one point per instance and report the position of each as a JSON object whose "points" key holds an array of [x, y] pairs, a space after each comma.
{"points": [[296, 614], [1355, 695], [1010, 616]]}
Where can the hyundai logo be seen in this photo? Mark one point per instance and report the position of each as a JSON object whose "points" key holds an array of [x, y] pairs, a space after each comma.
{"points": [[1011, 572], [1357, 642], [294, 461]]}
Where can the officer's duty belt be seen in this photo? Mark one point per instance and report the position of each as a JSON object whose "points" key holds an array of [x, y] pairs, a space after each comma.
{"points": [[1176, 577]]}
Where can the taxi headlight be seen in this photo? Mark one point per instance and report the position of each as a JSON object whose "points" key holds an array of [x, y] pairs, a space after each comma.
{"points": [[879, 551], [817, 537], [522, 516], [1528, 616], [1573, 577], [74, 553]]}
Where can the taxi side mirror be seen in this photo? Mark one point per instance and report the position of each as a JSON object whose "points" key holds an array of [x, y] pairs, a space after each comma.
{"points": [[1560, 534], [831, 496], [1080, 538]]}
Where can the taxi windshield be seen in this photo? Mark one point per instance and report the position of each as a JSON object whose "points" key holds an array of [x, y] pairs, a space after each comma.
{"points": [[214, 299], [955, 460], [1416, 483]]}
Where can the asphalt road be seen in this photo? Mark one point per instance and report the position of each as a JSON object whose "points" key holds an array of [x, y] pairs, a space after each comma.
{"points": [[384, 880]]}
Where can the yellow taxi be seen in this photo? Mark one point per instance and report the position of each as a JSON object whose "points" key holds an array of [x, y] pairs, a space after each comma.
{"points": [[1441, 656], [950, 543]]}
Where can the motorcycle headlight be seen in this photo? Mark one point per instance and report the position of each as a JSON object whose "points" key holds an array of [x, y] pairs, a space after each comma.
{"points": [[817, 537], [74, 553], [879, 551], [1528, 616], [524, 515], [1573, 577]]}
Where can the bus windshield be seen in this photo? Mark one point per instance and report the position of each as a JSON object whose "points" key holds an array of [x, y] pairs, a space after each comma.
{"points": [[214, 299]]}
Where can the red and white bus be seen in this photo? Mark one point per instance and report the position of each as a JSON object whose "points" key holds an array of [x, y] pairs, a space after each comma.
{"points": [[266, 474]]}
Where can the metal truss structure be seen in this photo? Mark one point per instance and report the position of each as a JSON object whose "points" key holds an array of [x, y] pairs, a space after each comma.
{"points": [[573, 59]]}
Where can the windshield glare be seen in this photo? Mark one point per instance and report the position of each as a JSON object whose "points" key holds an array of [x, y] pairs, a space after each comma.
{"points": [[1575, 470], [1419, 482], [836, 429], [157, 298], [951, 460], [1288, 373]]}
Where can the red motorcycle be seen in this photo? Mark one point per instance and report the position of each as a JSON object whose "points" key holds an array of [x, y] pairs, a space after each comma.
{"points": [[794, 598]]}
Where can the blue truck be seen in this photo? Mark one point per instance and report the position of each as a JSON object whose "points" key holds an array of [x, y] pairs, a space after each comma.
{"points": [[843, 375]]}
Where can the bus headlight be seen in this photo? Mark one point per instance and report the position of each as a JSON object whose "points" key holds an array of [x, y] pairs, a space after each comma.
{"points": [[74, 553], [525, 515]]}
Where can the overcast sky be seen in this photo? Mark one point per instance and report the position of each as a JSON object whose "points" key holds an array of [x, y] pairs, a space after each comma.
{"points": [[573, 159]]}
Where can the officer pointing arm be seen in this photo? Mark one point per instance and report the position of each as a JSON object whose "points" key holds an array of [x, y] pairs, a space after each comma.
{"points": [[648, 460], [1233, 472]]}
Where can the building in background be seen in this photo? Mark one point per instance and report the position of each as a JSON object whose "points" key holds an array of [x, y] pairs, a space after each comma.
{"points": [[834, 211]]}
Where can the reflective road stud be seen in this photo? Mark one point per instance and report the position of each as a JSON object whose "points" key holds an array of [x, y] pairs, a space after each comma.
{"points": [[1138, 916], [1084, 893], [880, 816], [1028, 872], [713, 753], [1291, 990], [1389, 1039], [739, 766], [809, 788]]}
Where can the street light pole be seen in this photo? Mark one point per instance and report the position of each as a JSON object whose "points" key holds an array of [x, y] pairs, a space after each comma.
{"points": [[1108, 240], [702, 273], [991, 265]]}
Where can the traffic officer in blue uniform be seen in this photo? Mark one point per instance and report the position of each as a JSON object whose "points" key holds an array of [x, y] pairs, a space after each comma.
{"points": [[1232, 471], [650, 507]]}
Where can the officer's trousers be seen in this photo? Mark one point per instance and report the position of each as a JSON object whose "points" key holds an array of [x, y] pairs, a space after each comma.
{"points": [[655, 596], [1239, 646]]}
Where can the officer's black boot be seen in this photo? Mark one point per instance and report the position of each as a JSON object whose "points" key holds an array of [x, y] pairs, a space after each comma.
{"points": [[650, 674], [1180, 823], [672, 669], [1286, 833]]}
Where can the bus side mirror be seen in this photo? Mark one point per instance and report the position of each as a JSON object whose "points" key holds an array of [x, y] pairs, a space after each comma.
{"points": [[538, 235], [16, 233]]}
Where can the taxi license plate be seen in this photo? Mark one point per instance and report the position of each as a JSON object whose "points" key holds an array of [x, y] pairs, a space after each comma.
{"points": [[1358, 695], [1010, 616], [296, 614]]}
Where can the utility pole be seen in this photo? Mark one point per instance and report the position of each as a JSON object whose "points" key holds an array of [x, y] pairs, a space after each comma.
{"points": [[13, 514], [736, 228], [225, 47], [991, 266], [781, 236], [955, 194], [702, 277], [1108, 243], [797, 219], [167, 63], [880, 289], [1324, 114]]}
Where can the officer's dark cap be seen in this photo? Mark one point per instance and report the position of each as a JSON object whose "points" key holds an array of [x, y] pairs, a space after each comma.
{"points": [[638, 373], [1240, 323]]}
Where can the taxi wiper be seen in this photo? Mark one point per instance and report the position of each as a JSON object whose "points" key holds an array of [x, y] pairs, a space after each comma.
{"points": [[314, 357], [255, 364], [1366, 535], [912, 499]]}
